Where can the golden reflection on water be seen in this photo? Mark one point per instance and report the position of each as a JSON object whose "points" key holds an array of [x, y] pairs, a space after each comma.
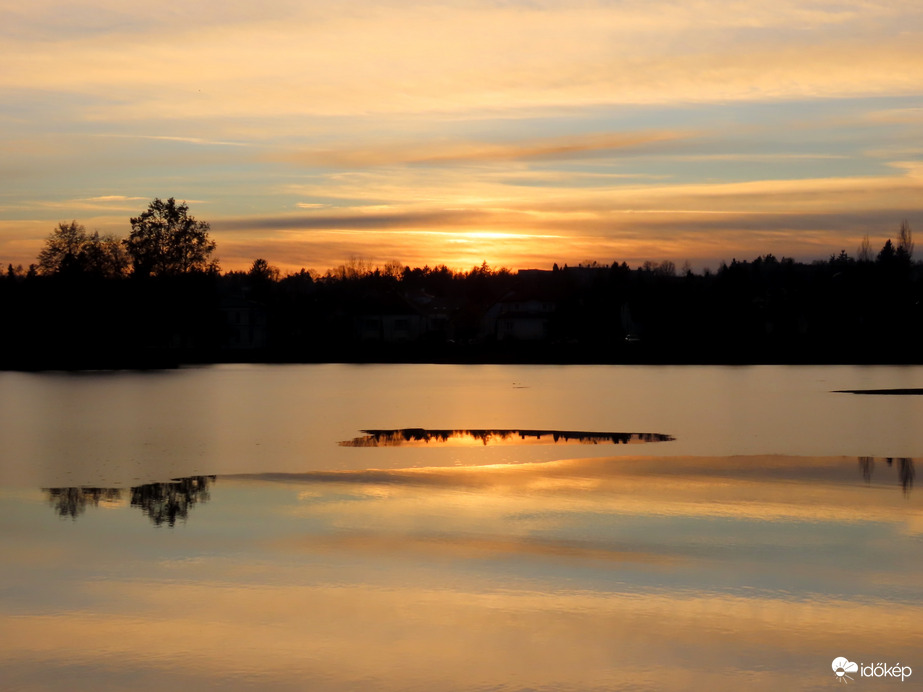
{"points": [[767, 488], [412, 638], [593, 574]]}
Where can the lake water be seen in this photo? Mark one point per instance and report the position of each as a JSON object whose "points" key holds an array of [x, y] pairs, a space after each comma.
{"points": [[440, 527]]}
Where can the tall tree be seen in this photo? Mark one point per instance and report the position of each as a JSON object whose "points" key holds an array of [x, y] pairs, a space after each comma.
{"points": [[70, 250], [865, 250], [105, 256], [887, 254], [261, 270], [166, 240], [62, 249], [905, 242]]}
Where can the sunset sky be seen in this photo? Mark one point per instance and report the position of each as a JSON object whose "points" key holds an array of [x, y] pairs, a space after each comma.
{"points": [[517, 132]]}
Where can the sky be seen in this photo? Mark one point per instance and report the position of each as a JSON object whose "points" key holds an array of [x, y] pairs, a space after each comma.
{"points": [[516, 132]]}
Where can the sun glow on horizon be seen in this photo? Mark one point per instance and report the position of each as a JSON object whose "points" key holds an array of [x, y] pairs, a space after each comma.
{"points": [[520, 135]]}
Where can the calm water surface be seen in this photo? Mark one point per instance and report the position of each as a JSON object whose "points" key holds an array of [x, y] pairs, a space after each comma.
{"points": [[219, 528]]}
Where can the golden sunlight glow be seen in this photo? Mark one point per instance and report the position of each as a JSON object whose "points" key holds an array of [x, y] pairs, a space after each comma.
{"points": [[740, 488], [558, 638], [526, 134]]}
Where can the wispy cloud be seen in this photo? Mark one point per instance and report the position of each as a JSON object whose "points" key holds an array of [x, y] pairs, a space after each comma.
{"points": [[416, 152], [113, 198], [168, 138], [356, 220]]}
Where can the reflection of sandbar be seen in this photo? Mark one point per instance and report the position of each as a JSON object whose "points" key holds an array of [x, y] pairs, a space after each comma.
{"points": [[409, 437], [881, 392]]}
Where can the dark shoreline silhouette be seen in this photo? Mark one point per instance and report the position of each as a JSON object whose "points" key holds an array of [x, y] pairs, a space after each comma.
{"points": [[411, 436], [764, 311]]}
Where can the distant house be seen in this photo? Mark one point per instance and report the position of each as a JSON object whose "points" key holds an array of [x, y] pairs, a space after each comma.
{"points": [[389, 318], [520, 316], [437, 315], [630, 328], [245, 322]]}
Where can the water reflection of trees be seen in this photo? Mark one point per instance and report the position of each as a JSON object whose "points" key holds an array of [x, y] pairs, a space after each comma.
{"points": [[72, 502], [167, 502], [163, 503], [410, 436], [905, 470]]}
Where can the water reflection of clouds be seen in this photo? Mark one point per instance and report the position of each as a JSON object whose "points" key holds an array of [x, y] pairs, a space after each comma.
{"points": [[669, 486], [290, 625], [767, 522], [471, 547], [304, 633], [724, 478], [653, 573]]}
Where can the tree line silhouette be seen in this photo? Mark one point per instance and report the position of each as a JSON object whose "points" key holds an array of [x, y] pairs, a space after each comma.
{"points": [[157, 298]]}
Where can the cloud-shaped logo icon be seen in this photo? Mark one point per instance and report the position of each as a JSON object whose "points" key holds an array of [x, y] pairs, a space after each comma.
{"points": [[842, 666]]}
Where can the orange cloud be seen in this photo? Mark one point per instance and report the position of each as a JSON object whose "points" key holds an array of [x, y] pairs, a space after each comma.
{"points": [[414, 152]]}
